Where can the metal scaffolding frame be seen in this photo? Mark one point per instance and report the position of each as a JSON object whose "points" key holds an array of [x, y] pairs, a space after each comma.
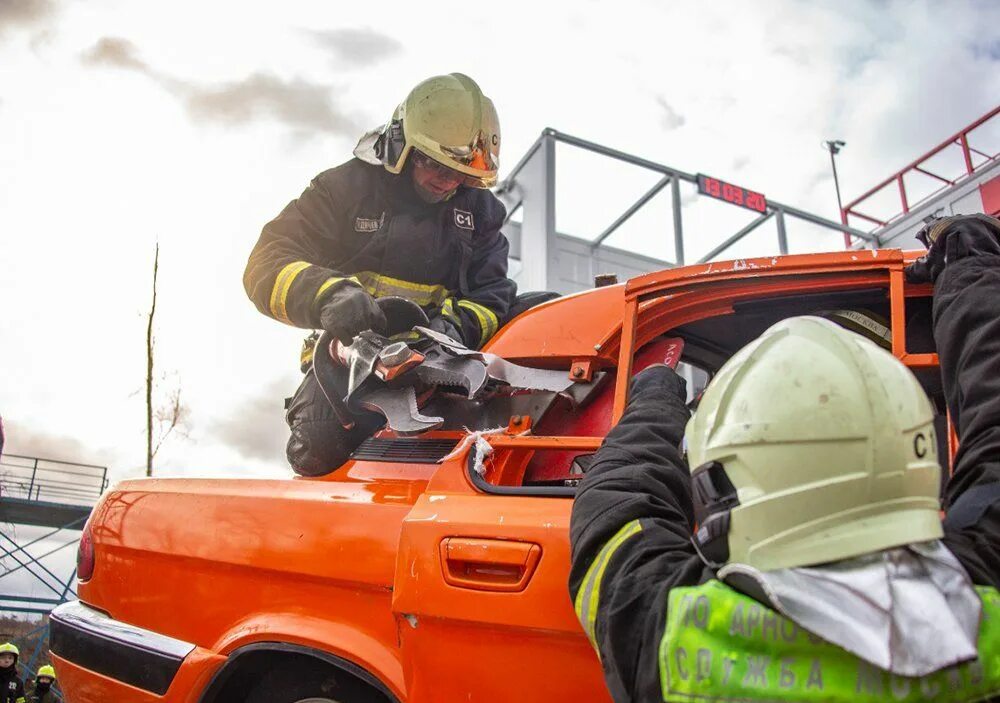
{"points": [[45, 493], [531, 187]]}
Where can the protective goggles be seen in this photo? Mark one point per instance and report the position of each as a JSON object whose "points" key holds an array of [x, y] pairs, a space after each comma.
{"points": [[474, 160]]}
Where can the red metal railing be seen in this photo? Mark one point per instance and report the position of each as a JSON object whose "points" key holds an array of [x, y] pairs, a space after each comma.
{"points": [[961, 139]]}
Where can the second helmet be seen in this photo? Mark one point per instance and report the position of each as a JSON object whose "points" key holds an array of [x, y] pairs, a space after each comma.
{"points": [[812, 445]]}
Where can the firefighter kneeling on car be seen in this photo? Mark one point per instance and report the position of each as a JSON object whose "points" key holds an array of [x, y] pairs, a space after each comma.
{"points": [[798, 552], [411, 216]]}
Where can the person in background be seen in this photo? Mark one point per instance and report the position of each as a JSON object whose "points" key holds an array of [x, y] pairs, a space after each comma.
{"points": [[11, 685], [44, 679]]}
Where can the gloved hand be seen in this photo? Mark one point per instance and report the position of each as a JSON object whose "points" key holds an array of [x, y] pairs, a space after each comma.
{"points": [[349, 310], [401, 315], [441, 324], [953, 238], [659, 376]]}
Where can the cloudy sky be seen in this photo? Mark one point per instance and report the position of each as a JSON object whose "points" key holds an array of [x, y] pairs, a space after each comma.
{"points": [[193, 123]]}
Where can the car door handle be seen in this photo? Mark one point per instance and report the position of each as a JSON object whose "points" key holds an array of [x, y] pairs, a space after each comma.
{"points": [[489, 564]]}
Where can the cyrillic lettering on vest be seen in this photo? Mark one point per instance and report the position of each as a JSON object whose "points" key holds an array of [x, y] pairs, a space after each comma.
{"points": [[721, 645]]}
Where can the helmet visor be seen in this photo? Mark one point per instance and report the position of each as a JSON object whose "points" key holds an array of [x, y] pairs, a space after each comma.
{"points": [[445, 172], [477, 155]]}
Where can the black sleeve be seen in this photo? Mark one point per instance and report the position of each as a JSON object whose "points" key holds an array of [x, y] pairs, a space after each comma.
{"points": [[967, 333], [284, 277], [479, 310], [630, 535]]}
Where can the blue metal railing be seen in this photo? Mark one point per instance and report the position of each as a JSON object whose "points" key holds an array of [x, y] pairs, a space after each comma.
{"points": [[48, 480], [43, 481]]}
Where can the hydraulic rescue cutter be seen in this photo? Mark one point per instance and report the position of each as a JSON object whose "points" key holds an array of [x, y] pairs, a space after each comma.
{"points": [[396, 376]]}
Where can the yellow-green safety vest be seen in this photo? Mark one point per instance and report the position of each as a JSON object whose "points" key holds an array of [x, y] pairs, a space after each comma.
{"points": [[721, 645]]}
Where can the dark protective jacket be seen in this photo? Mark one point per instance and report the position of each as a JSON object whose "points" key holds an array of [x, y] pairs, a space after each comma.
{"points": [[357, 221], [639, 477], [40, 696], [11, 686]]}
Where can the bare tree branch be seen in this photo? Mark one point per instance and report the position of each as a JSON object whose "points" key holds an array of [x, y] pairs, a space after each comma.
{"points": [[170, 418], [149, 370]]}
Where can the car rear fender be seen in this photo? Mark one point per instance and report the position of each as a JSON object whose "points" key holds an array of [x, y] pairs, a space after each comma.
{"points": [[247, 659], [326, 640]]}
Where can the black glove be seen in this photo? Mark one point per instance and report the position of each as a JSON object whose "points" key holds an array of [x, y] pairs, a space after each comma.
{"points": [[953, 238], [349, 310], [662, 377], [445, 326], [401, 315]]}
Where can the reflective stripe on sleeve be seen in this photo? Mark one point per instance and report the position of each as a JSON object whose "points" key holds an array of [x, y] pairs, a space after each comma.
{"points": [[448, 311], [282, 284], [423, 294], [488, 322], [590, 590], [331, 280]]}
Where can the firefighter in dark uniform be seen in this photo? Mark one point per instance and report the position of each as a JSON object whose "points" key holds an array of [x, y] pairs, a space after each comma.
{"points": [[410, 216], [803, 557], [43, 691], [11, 686]]}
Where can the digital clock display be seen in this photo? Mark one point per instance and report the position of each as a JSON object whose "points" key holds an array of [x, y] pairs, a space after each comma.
{"points": [[714, 188]]}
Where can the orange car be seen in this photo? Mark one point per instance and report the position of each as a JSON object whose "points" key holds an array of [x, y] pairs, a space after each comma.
{"points": [[434, 567]]}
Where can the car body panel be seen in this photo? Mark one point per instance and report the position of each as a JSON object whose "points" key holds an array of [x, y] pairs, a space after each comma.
{"points": [[266, 546], [533, 632]]}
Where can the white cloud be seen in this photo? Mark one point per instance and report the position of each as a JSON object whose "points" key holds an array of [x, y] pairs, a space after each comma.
{"points": [[354, 46], [305, 107], [16, 14]]}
